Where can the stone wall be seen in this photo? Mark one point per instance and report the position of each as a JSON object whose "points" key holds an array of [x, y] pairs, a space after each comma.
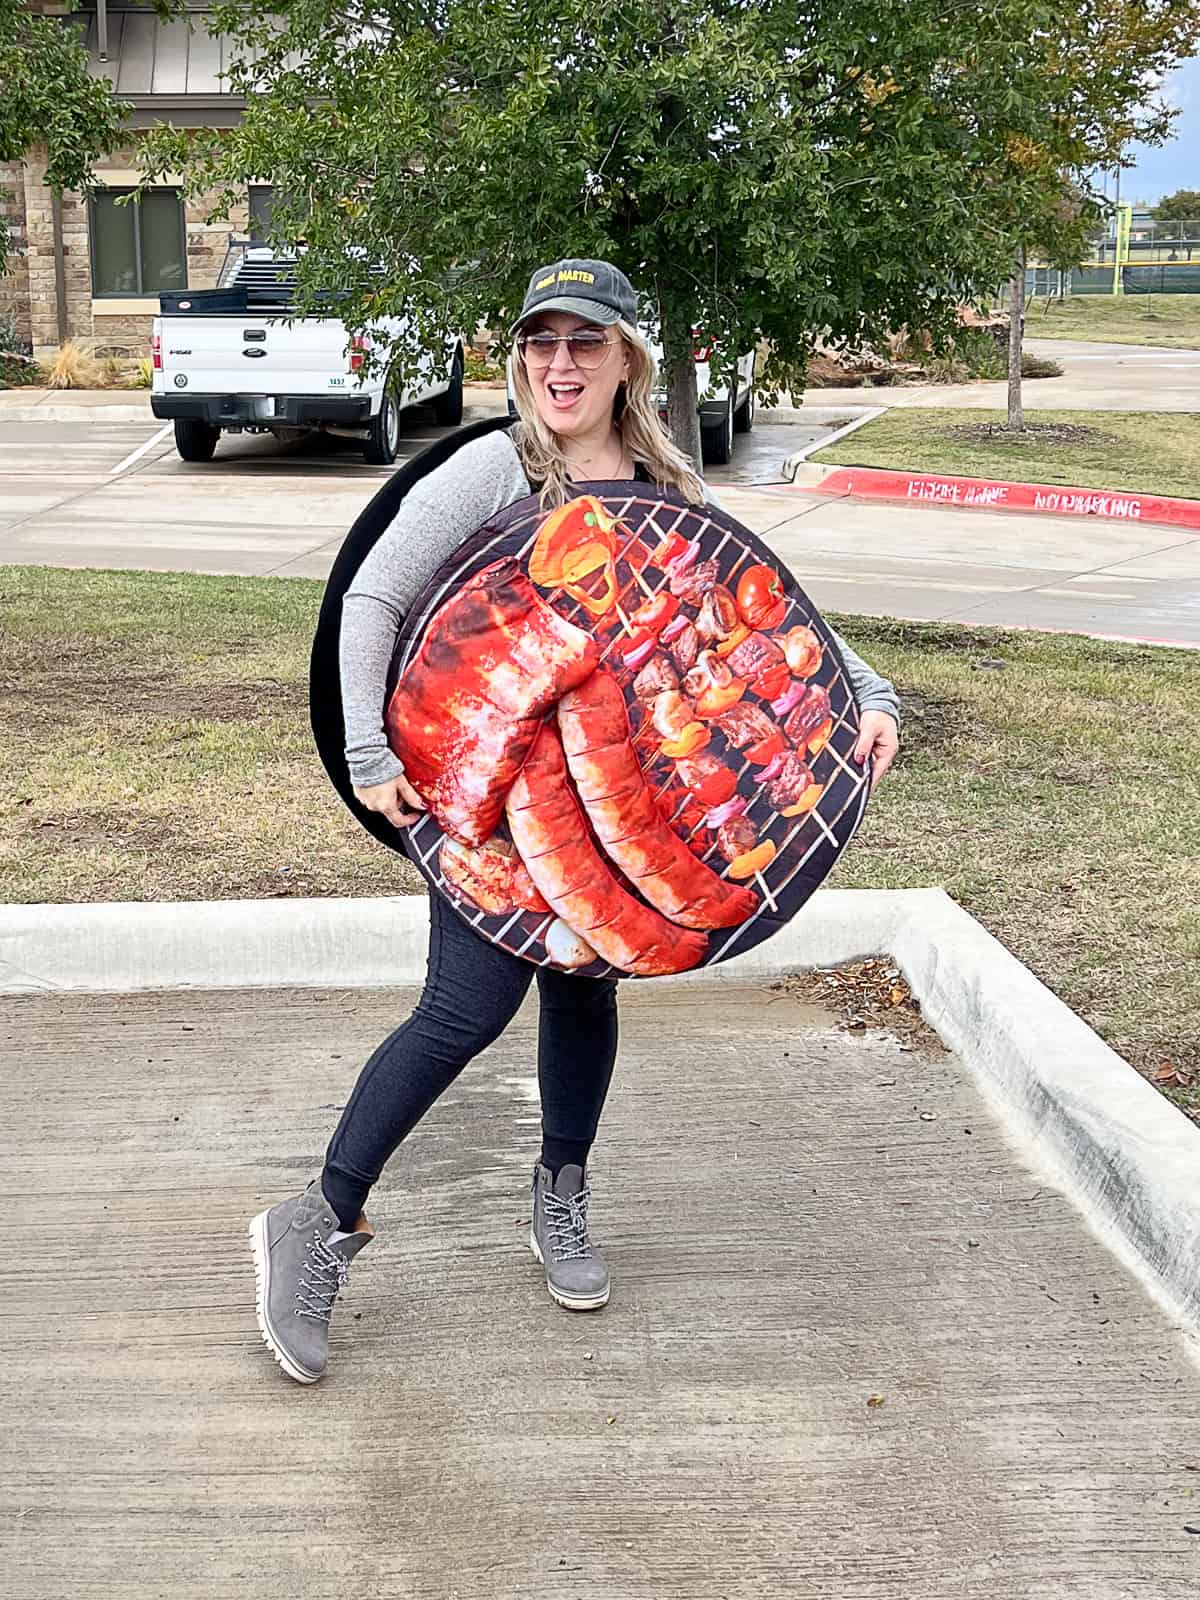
{"points": [[29, 289]]}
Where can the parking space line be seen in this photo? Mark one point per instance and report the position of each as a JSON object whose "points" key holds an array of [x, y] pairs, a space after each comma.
{"points": [[136, 455]]}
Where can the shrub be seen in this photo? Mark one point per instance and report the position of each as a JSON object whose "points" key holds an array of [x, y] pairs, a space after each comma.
{"points": [[18, 371], [1039, 367], [479, 368], [74, 367]]}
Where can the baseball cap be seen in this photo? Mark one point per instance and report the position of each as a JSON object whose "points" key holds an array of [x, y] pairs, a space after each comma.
{"points": [[593, 289]]}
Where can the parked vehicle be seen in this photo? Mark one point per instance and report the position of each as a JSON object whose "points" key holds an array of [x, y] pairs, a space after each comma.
{"points": [[724, 411], [236, 359]]}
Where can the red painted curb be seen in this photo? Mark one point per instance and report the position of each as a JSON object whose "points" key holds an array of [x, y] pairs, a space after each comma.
{"points": [[989, 494]]}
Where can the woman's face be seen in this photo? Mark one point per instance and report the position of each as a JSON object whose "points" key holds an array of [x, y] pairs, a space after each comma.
{"points": [[576, 400]]}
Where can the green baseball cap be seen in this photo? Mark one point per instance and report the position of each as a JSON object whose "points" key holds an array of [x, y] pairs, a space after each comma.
{"points": [[593, 289]]}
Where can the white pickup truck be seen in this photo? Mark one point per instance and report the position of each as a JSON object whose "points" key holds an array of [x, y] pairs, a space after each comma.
{"points": [[236, 359]]}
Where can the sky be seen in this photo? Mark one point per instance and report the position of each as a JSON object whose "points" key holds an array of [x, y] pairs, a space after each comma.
{"points": [[1175, 165]]}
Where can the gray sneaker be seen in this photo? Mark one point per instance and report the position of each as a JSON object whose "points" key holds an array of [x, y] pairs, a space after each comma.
{"points": [[558, 1236], [298, 1274]]}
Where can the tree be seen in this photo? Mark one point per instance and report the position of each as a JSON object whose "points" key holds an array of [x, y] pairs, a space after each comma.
{"points": [[768, 170], [1182, 206], [47, 99], [1103, 60]]}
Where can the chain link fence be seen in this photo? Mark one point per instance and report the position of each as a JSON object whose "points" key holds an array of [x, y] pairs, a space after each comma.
{"points": [[1160, 258]]}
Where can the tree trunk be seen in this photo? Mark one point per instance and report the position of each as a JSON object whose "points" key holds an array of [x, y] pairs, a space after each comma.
{"points": [[1016, 329], [679, 374]]}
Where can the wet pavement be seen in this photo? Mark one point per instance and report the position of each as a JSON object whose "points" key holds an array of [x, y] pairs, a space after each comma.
{"points": [[857, 1349]]}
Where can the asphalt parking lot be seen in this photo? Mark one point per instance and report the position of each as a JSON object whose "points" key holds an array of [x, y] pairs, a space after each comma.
{"points": [[115, 494]]}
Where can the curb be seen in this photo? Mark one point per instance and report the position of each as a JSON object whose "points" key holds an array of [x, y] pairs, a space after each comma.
{"points": [[793, 464], [1125, 1156], [49, 411], [989, 494]]}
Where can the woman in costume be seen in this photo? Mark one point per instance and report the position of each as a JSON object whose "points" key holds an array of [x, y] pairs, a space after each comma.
{"points": [[584, 380]]}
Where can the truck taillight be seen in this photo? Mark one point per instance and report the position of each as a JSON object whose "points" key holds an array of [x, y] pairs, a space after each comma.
{"points": [[358, 352], [156, 351]]}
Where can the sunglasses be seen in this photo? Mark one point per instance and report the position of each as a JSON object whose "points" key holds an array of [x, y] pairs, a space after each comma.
{"points": [[587, 348]]}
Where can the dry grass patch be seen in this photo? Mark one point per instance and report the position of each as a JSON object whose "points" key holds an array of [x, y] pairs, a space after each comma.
{"points": [[157, 747], [154, 744]]}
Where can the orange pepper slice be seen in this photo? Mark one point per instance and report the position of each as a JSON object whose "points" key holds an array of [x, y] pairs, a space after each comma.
{"points": [[713, 701], [820, 738], [692, 738], [728, 646], [806, 801], [752, 861]]}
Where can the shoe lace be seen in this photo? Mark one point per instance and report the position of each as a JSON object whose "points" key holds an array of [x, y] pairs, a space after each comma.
{"points": [[567, 1224], [322, 1277]]}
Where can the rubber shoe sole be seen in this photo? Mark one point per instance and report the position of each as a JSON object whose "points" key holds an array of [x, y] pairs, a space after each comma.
{"points": [[262, 1290], [581, 1302]]}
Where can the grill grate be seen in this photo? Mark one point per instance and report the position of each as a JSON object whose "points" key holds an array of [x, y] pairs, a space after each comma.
{"points": [[832, 822]]}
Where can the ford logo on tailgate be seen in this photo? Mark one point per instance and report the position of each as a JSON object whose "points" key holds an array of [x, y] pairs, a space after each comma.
{"points": [[254, 354]]}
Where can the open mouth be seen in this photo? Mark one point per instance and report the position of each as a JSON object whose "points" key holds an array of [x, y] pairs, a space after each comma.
{"points": [[564, 395]]}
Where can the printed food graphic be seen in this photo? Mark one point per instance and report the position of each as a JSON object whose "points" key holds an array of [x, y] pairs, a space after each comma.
{"points": [[633, 733]]}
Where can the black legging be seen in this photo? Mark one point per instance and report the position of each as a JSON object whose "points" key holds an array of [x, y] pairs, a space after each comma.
{"points": [[472, 992]]}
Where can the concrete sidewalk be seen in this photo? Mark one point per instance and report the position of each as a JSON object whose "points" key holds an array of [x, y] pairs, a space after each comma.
{"points": [[1096, 377], [837, 1221]]}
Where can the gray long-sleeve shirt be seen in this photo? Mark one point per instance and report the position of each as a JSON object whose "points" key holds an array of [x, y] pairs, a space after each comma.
{"points": [[436, 516]]}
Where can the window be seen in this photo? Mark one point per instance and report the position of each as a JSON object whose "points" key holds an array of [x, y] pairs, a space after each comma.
{"points": [[262, 204], [139, 247]]}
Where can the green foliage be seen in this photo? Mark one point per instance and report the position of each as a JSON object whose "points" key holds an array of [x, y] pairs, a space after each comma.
{"points": [[765, 171], [973, 355], [18, 371], [481, 369], [1182, 206], [1039, 367], [47, 99]]}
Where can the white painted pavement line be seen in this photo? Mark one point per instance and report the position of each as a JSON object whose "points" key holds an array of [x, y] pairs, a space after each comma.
{"points": [[1085, 594], [1159, 361], [136, 455]]}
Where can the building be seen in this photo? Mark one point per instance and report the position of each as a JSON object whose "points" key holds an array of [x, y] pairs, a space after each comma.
{"points": [[86, 267]]}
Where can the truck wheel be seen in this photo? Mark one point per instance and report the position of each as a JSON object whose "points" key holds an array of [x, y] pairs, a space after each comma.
{"points": [[743, 417], [195, 440], [448, 407], [716, 442], [383, 440]]}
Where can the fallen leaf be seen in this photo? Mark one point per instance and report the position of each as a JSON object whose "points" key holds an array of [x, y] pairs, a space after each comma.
{"points": [[875, 1401]]}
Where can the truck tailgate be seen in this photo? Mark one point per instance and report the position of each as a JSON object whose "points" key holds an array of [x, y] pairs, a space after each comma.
{"points": [[248, 354]]}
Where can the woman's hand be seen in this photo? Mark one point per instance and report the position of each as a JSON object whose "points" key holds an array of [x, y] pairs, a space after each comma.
{"points": [[879, 738], [391, 799]]}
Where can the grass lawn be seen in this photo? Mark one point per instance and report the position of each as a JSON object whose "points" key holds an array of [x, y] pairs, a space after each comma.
{"points": [[156, 745], [1170, 320], [1156, 452]]}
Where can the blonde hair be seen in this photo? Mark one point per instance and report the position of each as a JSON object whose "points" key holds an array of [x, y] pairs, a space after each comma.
{"points": [[635, 415]]}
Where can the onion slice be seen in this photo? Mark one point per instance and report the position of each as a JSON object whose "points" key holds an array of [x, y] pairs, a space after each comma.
{"points": [[686, 558], [790, 697], [721, 814], [773, 767], [639, 655], [674, 628]]}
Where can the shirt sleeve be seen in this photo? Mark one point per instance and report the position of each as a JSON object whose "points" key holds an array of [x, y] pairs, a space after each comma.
{"points": [[434, 518]]}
